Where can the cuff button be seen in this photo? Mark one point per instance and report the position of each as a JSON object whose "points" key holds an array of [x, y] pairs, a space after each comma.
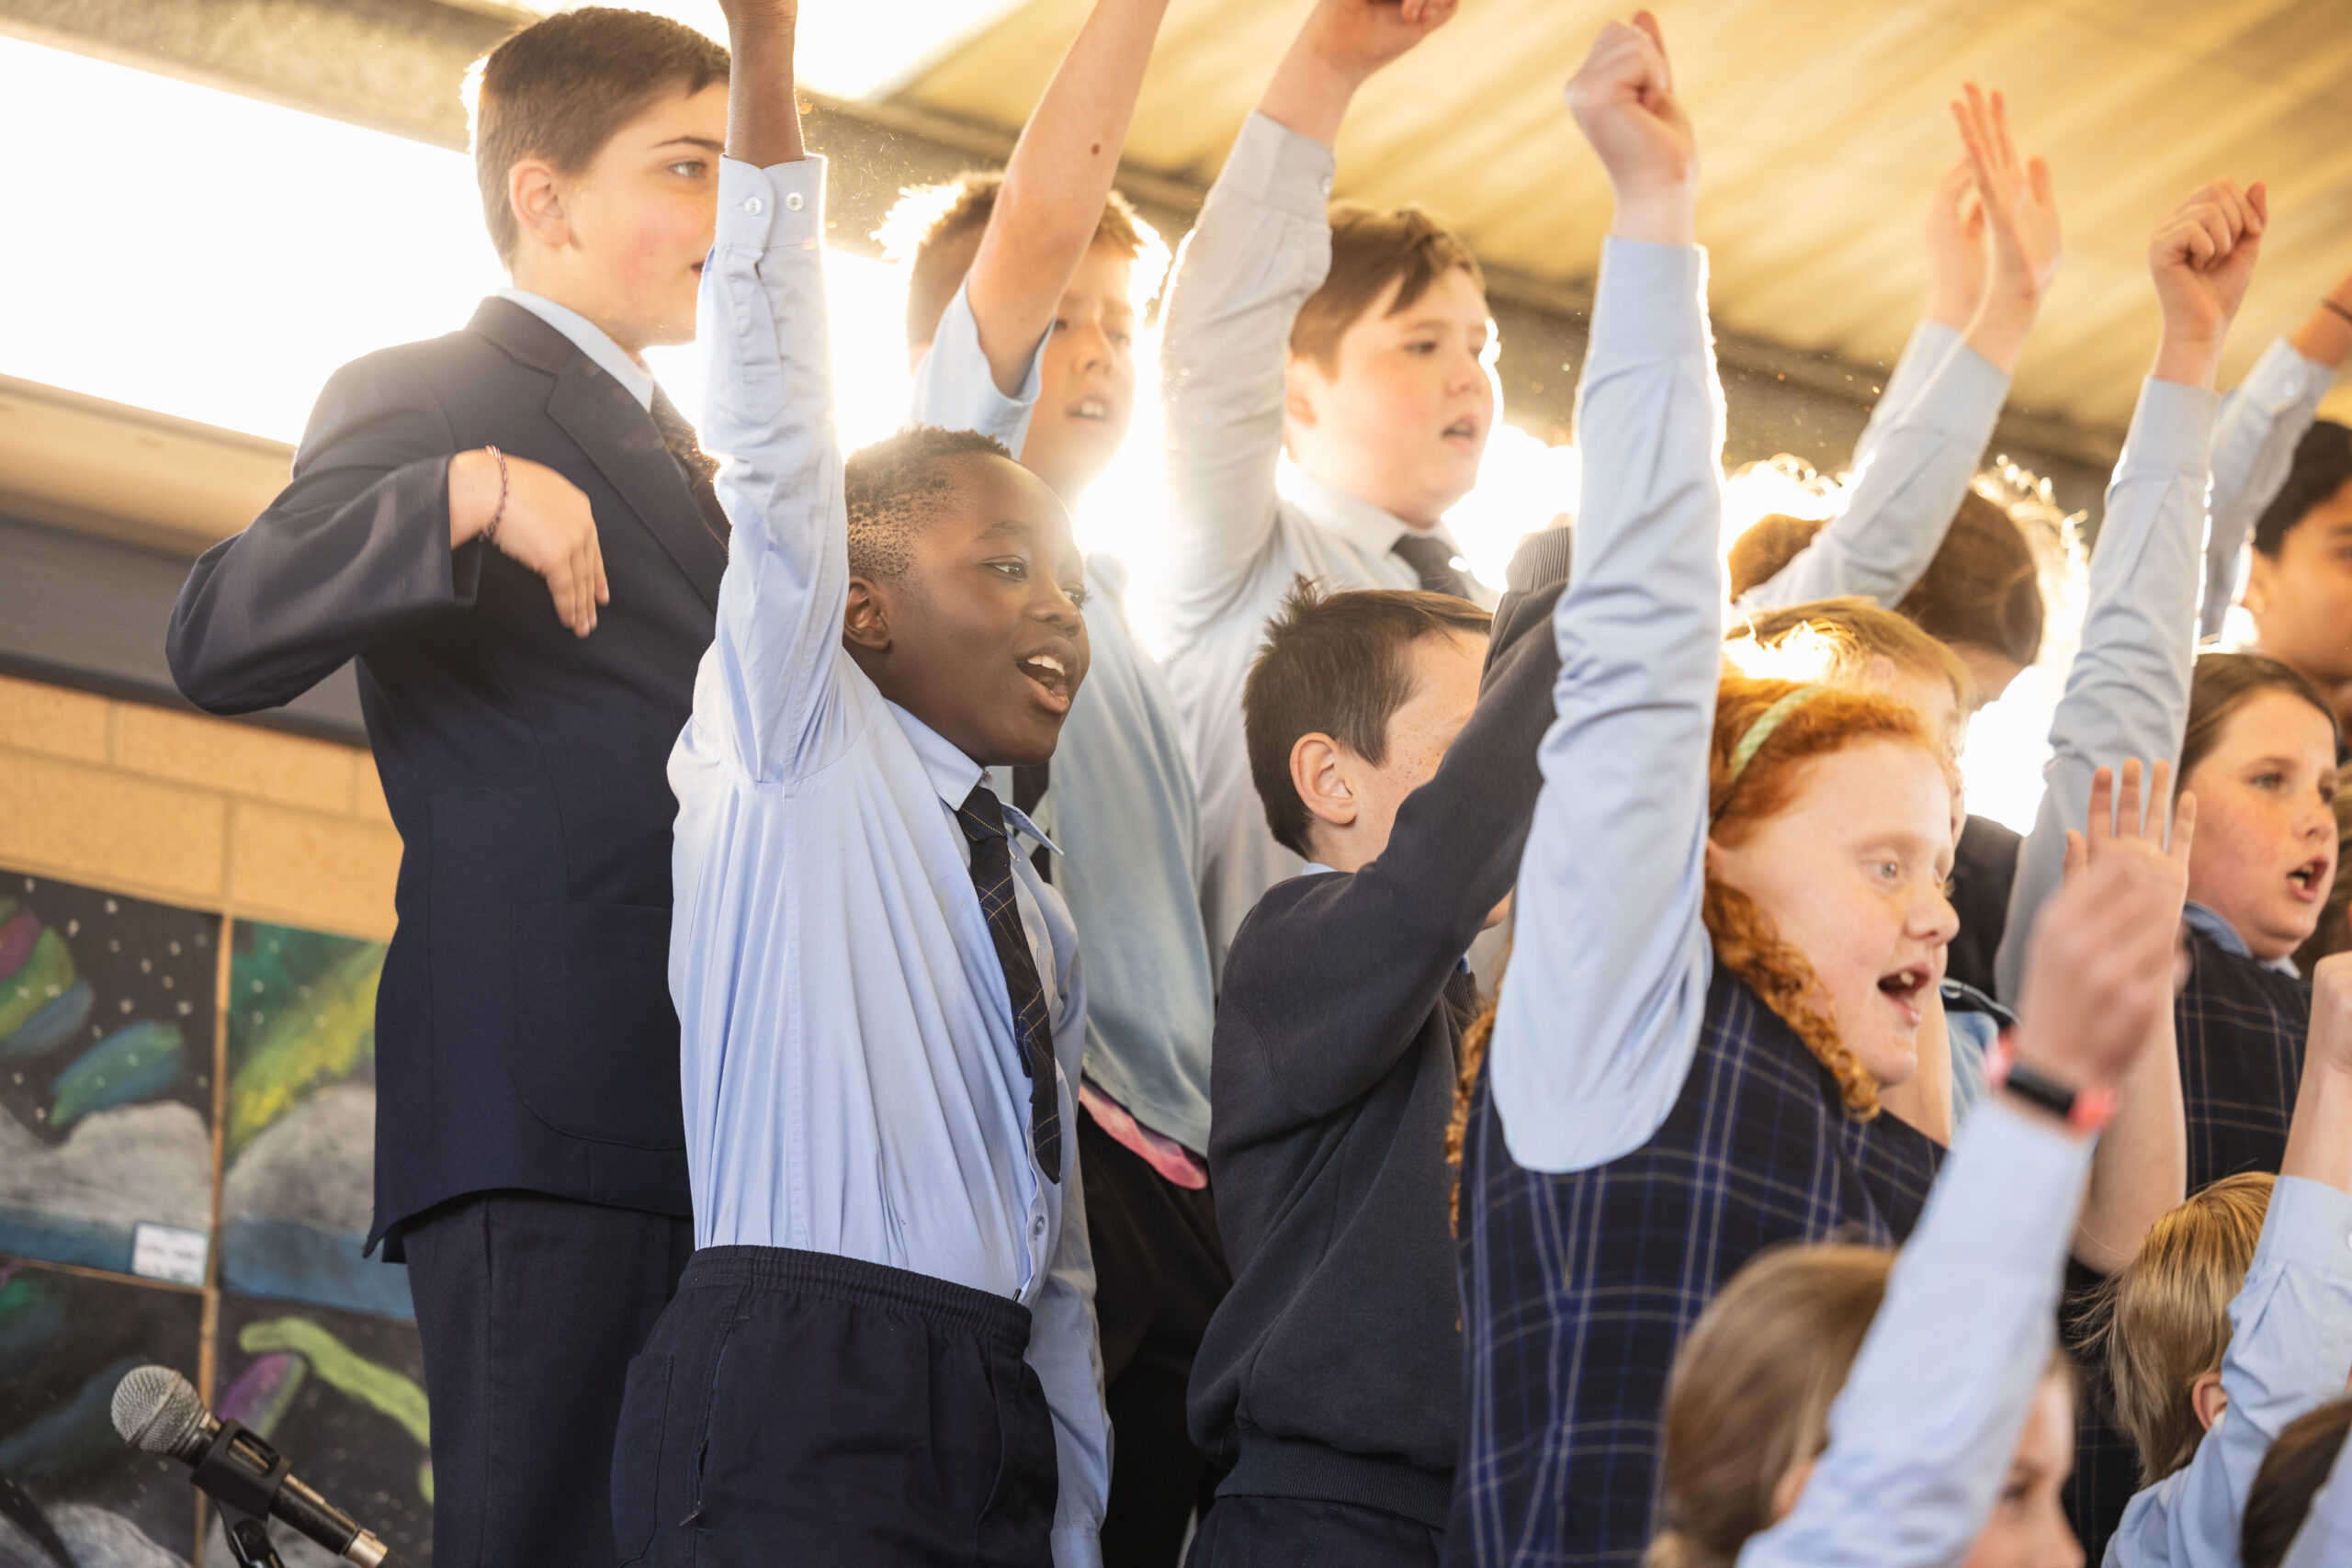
{"points": [[792, 201], [754, 205]]}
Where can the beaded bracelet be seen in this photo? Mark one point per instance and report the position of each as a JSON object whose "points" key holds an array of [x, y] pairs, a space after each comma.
{"points": [[2331, 305], [490, 533], [2086, 1111]]}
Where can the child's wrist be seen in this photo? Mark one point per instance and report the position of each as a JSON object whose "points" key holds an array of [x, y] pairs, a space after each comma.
{"points": [[2192, 358], [1661, 215]]}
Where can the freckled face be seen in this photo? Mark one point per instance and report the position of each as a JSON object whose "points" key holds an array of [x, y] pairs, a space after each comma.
{"points": [[1445, 692], [1851, 874], [2265, 854]]}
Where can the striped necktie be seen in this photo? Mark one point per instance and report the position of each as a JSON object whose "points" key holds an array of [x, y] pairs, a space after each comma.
{"points": [[983, 819]]}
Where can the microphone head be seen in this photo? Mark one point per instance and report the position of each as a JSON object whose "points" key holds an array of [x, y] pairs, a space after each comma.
{"points": [[157, 1411]]}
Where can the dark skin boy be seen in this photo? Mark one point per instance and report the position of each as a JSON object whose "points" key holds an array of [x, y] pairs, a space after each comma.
{"points": [[979, 636]]}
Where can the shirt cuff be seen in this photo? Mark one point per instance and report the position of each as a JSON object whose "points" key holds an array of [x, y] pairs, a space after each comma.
{"points": [[2172, 430], [2309, 1226], [1650, 298], [778, 208], [1077, 1545], [1275, 164], [2282, 377], [1966, 394]]}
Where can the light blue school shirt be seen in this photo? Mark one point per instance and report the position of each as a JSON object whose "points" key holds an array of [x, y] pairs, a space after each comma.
{"points": [[2291, 1345], [2254, 447], [591, 340], [1911, 469], [852, 1081], [2127, 693], [1122, 801]]}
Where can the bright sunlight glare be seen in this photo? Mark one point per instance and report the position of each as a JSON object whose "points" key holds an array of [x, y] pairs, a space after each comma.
{"points": [[256, 248]]}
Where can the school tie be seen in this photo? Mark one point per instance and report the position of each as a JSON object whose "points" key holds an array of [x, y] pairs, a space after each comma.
{"points": [[1432, 557], [1029, 781], [699, 467], [983, 819]]}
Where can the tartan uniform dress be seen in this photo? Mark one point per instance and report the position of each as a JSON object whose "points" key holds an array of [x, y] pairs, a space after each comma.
{"points": [[2241, 1026], [1578, 1289]]}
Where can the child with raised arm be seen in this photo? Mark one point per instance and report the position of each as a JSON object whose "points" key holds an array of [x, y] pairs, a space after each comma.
{"points": [[1353, 339], [1992, 256], [2288, 1334], [1022, 297], [1846, 1404], [1731, 920], [882, 1350]]}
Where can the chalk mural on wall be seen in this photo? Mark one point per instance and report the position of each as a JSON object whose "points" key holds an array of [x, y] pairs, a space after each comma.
{"points": [[106, 1077], [342, 1394], [297, 1147], [69, 1491]]}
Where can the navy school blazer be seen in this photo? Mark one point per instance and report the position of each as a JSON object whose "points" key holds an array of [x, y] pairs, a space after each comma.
{"points": [[525, 1036]]}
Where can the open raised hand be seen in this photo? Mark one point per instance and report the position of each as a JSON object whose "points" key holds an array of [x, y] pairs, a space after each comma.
{"points": [[2101, 971], [1954, 233], [2203, 258], [1622, 99], [2021, 218]]}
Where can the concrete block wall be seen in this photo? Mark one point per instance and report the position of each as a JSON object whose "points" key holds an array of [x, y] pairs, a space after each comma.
{"points": [[195, 810]]}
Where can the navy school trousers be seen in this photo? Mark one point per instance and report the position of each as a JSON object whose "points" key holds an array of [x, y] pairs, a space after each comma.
{"points": [[800, 1408]]}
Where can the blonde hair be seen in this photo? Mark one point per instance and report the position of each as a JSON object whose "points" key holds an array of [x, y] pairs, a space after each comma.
{"points": [[1741, 798], [2163, 1321], [1749, 1400]]}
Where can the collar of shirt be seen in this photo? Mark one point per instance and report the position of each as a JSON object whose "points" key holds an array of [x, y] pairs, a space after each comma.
{"points": [[1316, 868], [2225, 937], [1356, 520], [954, 774], [591, 340]]}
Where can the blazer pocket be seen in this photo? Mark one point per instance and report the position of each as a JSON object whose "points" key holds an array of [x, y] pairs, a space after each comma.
{"points": [[596, 1039], [637, 1454]]}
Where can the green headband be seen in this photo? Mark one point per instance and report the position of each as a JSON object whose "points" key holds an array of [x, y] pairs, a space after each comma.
{"points": [[1761, 730]]}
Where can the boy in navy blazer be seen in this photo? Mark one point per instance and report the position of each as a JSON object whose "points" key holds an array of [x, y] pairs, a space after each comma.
{"points": [[514, 534]]}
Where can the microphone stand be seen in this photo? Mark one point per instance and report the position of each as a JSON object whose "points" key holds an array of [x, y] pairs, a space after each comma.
{"points": [[227, 1474]]}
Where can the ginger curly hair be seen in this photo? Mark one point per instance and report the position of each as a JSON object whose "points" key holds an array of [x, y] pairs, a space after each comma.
{"points": [[1745, 940]]}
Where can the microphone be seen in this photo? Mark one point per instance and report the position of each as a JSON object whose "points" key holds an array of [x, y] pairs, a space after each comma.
{"points": [[158, 1411]]}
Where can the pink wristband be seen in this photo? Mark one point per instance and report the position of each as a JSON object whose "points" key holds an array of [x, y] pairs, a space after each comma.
{"points": [[2086, 1110]]}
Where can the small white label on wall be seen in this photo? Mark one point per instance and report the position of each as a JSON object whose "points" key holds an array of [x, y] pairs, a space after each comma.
{"points": [[167, 1252]]}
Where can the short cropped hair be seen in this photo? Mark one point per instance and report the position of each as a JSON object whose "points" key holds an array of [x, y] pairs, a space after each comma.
{"points": [[2296, 1465], [1982, 586], [1335, 664], [1371, 246], [559, 89], [2163, 1321], [2322, 465], [894, 487], [935, 230]]}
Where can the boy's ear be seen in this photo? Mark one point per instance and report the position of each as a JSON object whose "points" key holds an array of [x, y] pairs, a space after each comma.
{"points": [[535, 192], [1318, 772], [866, 621], [2207, 1396], [1299, 399]]}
